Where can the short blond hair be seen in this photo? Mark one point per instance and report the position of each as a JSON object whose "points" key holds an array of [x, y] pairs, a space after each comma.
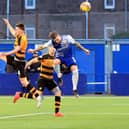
{"points": [[53, 34]]}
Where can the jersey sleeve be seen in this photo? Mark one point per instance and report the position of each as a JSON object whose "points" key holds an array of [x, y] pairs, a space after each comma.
{"points": [[48, 44], [71, 39]]}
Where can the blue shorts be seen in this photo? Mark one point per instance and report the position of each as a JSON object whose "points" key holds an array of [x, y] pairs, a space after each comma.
{"points": [[67, 61]]}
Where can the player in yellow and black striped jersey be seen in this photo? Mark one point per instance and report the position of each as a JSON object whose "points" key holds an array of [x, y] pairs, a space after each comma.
{"points": [[16, 57], [46, 68], [45, 80]]}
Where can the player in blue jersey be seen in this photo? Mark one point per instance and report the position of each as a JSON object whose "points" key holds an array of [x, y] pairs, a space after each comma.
{"points": [[64, 55]]}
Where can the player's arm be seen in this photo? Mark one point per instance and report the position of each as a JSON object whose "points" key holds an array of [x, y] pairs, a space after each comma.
{"points": [[29, 63], [45, 45], [17, 48], [11, 29], [77, 44], [37, 49]]}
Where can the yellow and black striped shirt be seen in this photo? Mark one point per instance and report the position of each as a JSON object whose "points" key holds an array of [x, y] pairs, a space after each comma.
{"points": [[22, 42], [47, 66]]}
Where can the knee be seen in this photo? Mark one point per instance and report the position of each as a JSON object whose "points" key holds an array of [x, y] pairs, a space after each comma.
{"points": [[57, 91], [74, 68], [24, 82]]}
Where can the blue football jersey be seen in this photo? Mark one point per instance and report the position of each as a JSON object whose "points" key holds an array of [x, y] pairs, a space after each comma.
{"points": [[63, 49]]}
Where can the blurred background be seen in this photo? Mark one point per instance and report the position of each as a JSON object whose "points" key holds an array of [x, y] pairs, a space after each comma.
{"points": [[107, 18]]}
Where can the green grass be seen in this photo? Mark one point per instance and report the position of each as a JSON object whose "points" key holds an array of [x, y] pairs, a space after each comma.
{"points": [[87, 112]]}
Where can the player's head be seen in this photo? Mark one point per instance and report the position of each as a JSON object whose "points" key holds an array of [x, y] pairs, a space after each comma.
{"points": [[55, 36], [51, 51], [19, 29]]}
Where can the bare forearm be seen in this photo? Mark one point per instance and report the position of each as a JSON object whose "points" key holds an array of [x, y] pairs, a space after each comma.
{"points": [[32, 61], [11, 29], [81, 47], [12, 51], [9, 53], [39, 48]]}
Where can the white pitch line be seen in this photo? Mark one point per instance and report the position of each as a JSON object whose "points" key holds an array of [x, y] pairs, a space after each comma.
{"points": [[66, 114], [24, 115]]}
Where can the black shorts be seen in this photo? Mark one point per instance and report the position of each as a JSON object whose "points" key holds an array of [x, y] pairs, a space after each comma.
{"points": [[17, 65], [49, 84]]}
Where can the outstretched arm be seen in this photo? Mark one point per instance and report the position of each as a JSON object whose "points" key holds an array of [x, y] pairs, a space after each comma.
{"points": [[77, 44], [37, 49], [34, 60], [17, 48], [11, 29], [45, 45], [82, 48]]}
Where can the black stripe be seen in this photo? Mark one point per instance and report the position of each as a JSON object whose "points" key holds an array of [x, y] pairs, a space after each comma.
{"points": [[47, 67], [20, 58], [19, 40], [46, 73], [21, 52]]}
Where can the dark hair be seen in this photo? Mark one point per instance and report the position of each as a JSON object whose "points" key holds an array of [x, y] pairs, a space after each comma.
{"points": [[53, 34], [21, 26]]}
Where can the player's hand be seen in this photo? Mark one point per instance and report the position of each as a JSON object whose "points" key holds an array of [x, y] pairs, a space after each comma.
{"points": [[30, 51], [6, 21], [87, 51], [27, 66], [2, 54]]}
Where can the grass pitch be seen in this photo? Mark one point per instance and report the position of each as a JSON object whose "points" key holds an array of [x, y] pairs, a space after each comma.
{"points": [[86, 112]]}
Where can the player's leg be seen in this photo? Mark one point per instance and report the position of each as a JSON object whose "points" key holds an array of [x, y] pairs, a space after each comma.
{"points": [[57, 94], [34, 93], [72, 65], [26, 86], [18, 95], [23, 78], [64, 69], [52, 86], [58, 71], [41, 84], [75, 76]]}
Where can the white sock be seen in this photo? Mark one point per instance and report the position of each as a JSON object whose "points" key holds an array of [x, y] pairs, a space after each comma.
{"points": [[58, 71], [75, 79]]}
